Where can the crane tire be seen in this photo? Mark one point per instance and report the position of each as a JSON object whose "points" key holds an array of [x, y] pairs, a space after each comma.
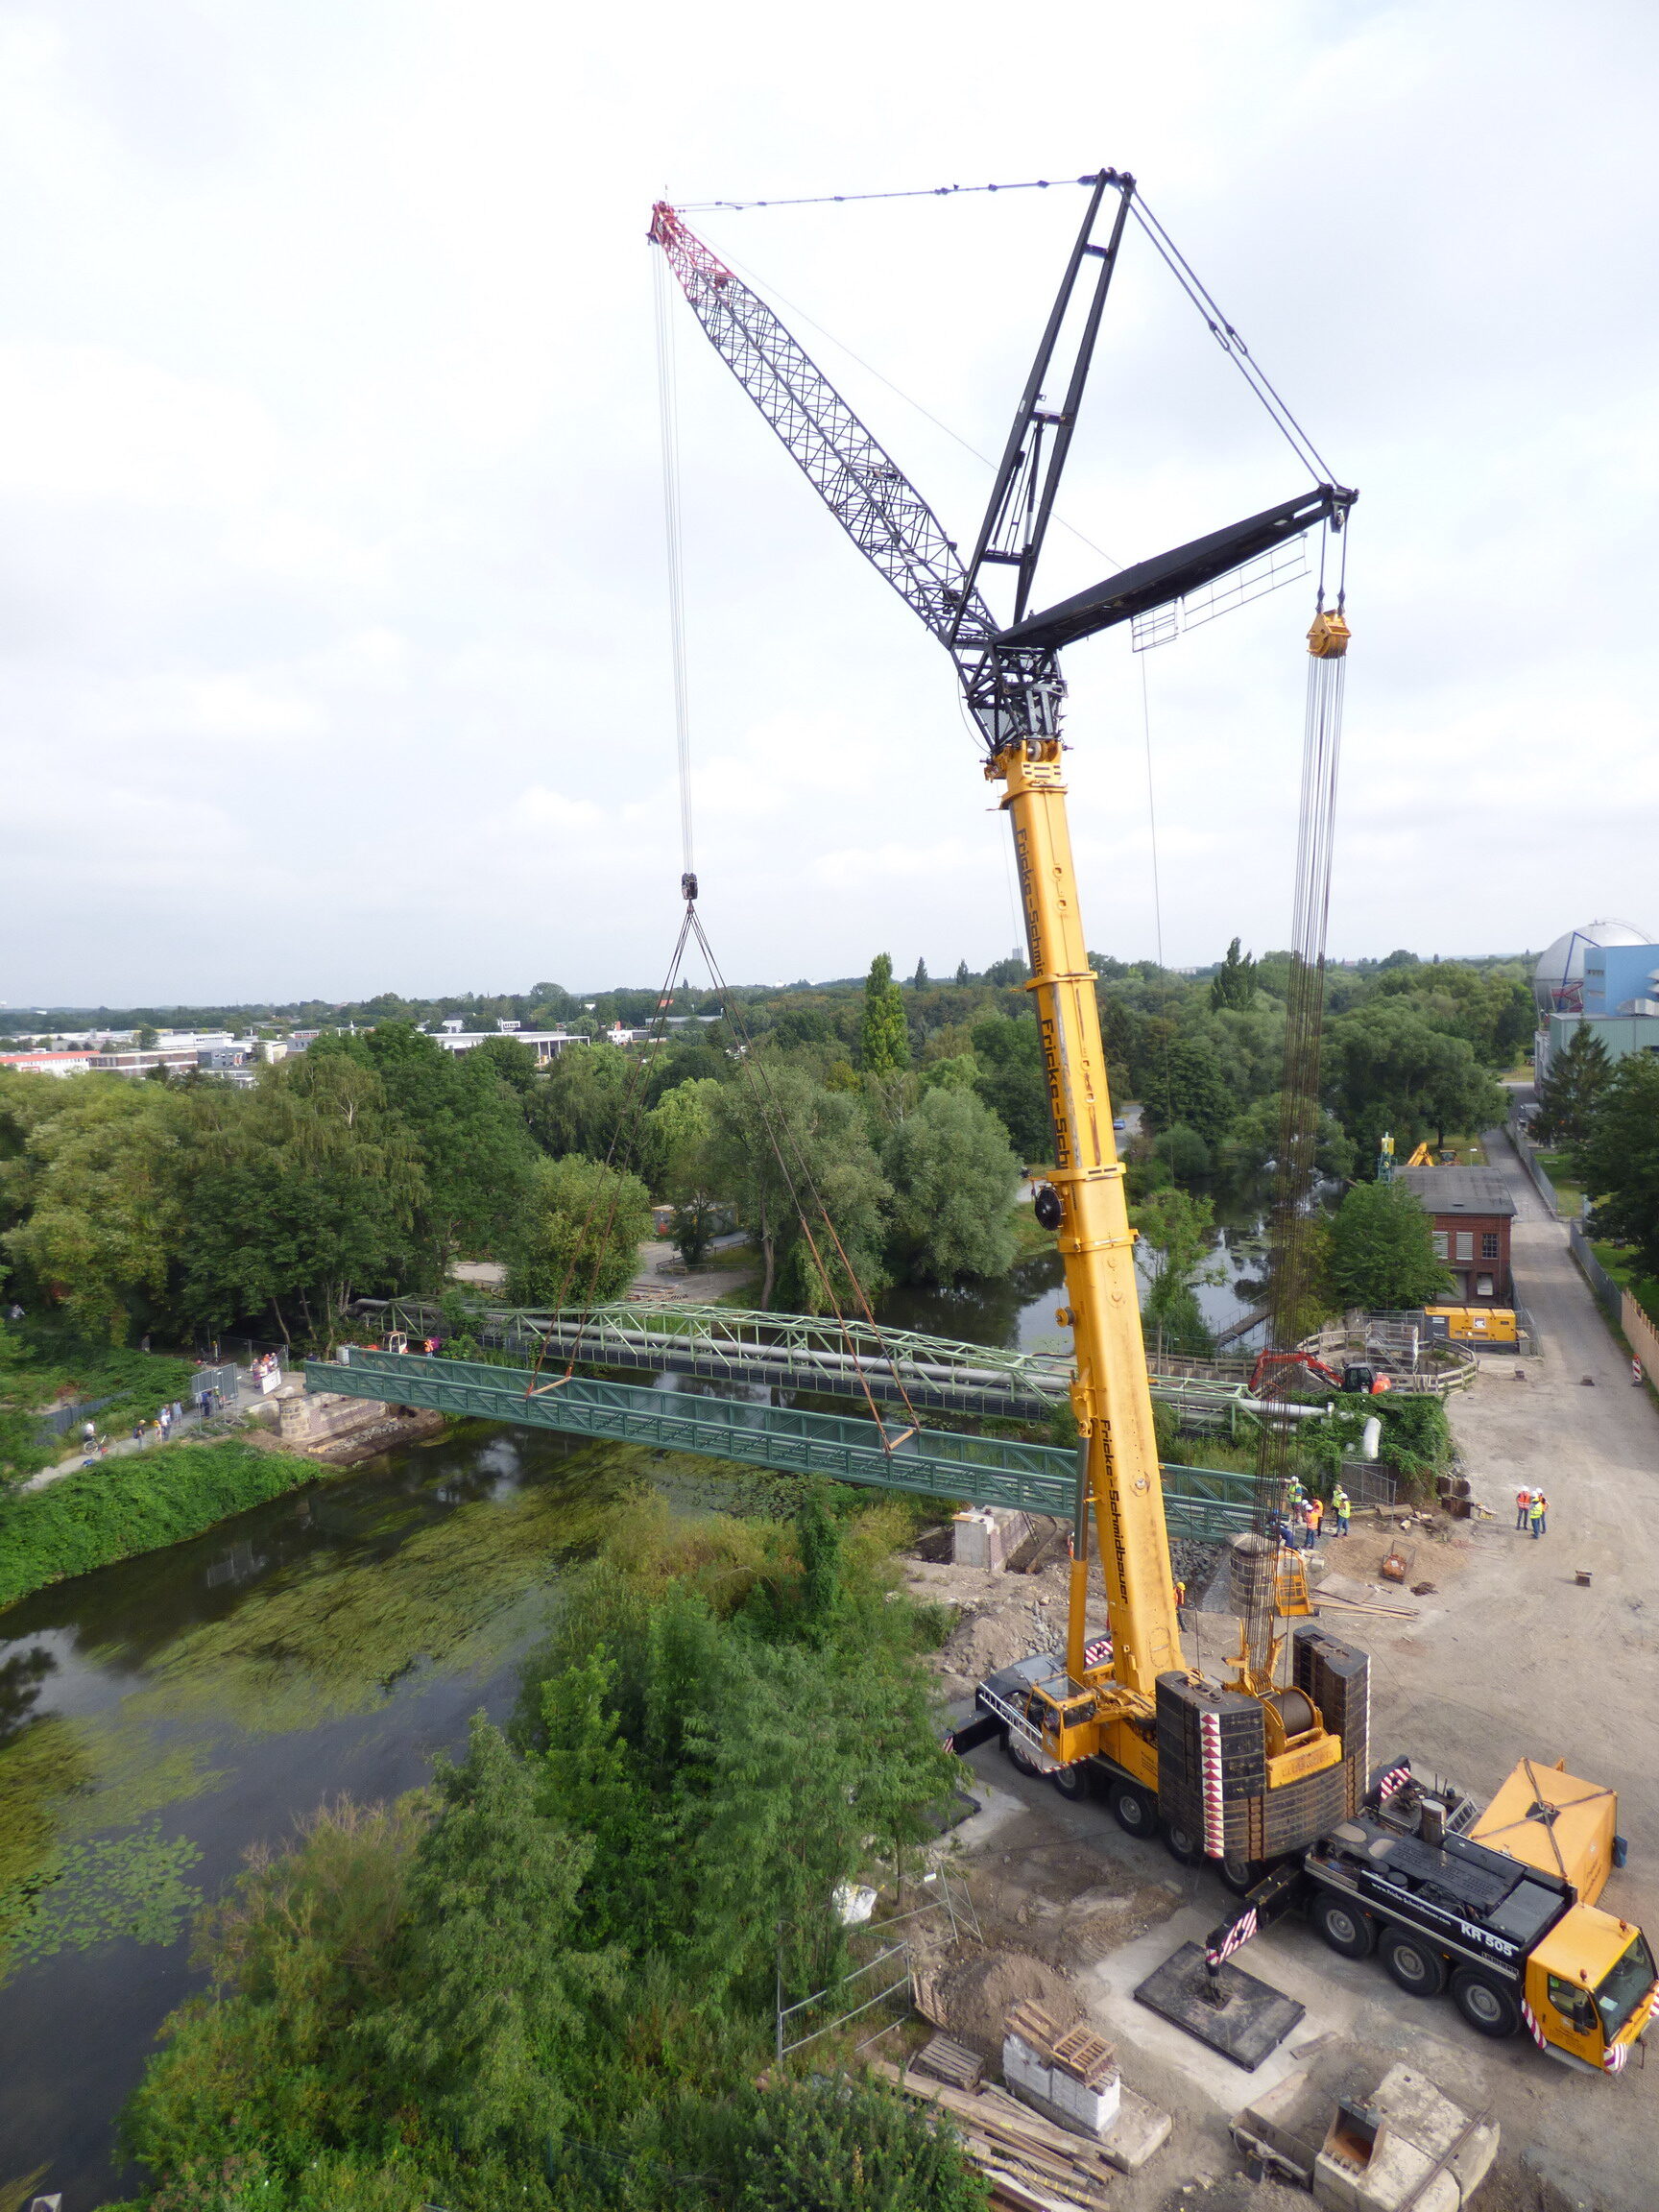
{"points": [[1348, 1929], [1489, 2008], [1241, 1875], [1412, 1964], [1021, 1760], [1072, 1782], [1182, 1845], [1134, 1811]]}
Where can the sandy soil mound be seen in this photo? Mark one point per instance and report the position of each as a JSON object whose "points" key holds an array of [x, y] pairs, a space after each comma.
{"points": [[975, 1997]]}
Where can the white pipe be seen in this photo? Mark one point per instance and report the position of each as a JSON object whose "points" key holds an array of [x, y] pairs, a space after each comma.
{"points": [[1370, 1437]]}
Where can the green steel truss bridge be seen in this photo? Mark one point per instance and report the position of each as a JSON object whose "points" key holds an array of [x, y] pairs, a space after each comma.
{"points": [[820, 1355], [1200, 1501]]}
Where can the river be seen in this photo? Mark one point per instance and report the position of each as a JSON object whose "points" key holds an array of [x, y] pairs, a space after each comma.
{"points": [[160, 1717]]}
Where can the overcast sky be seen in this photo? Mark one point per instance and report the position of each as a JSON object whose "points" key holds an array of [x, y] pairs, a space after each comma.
{"points": [[334, 630]]}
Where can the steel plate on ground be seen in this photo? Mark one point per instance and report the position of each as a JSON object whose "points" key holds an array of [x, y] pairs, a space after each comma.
{"points": [[1244, 2019]]}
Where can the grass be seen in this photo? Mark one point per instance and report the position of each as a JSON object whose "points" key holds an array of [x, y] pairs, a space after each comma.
{"points": [[38, 1367], [1560, 1169], [1620, 1263], [117, 1508]]}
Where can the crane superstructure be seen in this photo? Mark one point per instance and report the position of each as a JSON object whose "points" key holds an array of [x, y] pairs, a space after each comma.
{"points": [[1268, 1778]]}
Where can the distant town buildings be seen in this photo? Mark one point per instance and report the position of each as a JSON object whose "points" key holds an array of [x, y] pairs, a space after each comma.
{"points": [[546, 1044]]}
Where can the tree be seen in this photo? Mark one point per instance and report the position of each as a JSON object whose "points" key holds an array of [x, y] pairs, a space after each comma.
{"points": [[1618, 1159], [680, 1128], [1188, 1084], [1253, 1143], [1381, 1254], [96, 1190], [1233, 983], [1178, 1229], [578, 1240], [919, 980], [962, 975], [953, 1180], [1002, 973], [884, 1041], [1184, 1152], [785, 1147], [300, 1193], [1386, 1068], [475, 1153], [584, 1099], [494, 1994], [1012, 1084], [1569, 1093]]}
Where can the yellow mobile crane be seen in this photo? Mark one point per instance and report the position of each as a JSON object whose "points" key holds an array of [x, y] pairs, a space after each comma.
{"points": [[1258, 1773]]}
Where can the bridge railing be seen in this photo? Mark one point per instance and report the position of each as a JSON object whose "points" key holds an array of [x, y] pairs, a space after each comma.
{"points": [[1200, 1501]]}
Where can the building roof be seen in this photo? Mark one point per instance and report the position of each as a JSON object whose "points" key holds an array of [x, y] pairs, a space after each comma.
{"points": [[1457, 1190]]}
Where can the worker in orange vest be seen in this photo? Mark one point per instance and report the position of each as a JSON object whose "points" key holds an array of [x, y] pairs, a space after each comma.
{"points": [[1523, 1503]]}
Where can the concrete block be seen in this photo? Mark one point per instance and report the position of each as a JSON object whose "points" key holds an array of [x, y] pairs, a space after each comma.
{"points": [[1424, 2155], [1138, 2131], [987, 1536]]}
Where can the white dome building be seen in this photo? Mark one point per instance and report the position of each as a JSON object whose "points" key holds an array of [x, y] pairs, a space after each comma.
{"points": [[1559, 979]]}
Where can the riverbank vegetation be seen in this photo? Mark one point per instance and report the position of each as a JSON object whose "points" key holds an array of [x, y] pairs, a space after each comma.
{"points": [[549, 1979], [42, 1366], [897, 1113], [118, 1508]]}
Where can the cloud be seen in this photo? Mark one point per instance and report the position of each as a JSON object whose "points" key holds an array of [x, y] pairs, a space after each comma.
{"points": [[333, 639]]}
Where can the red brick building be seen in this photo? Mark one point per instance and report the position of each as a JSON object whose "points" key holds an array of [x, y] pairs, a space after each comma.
{"points": [[1471, 1211]]}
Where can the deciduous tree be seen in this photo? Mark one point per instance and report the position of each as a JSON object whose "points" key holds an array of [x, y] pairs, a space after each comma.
{"points": [[1233, 983], [1381, 1254], [953, 1180], [578, 1240], [784, 1147], [1618, 1159]]}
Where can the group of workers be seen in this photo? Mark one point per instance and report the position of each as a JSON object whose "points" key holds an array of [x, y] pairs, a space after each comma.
{"points": [[1532, 1510], [1302, 1523]]}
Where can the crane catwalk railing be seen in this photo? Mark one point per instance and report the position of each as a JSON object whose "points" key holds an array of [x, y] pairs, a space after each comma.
{"points": [[1200, 1501]]}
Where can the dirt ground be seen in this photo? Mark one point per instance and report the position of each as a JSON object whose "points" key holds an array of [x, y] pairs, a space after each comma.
{"points": [[1506, 1654]]}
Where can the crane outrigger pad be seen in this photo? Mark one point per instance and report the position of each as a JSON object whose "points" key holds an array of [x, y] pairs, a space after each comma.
{"points": [[1244, 2019]]}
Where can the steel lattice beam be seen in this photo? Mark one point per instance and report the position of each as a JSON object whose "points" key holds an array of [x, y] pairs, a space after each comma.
{"points": [[975, 1470]]}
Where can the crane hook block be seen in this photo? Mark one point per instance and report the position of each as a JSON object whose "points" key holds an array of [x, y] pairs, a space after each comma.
{"points": [[688, 888], [1328, 640]]}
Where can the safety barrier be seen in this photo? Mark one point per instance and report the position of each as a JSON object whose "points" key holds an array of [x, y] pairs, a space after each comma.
{"points": [[1609, 1293], [1202, 1503], [1528, 1158]]}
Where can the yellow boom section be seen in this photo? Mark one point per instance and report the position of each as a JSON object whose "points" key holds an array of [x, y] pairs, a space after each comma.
{"points": [[1110, 1395]]}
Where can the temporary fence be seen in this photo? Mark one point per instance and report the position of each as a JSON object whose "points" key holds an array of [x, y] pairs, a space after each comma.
{"points": [[1642, 1336], [1528, 1156], [62, 1418], [1609, 1293]]}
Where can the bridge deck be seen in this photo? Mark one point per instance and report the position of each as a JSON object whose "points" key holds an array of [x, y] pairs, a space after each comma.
{"points": [[1200, 1501]]}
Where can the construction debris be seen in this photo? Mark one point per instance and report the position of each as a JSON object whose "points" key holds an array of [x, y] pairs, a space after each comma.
{"points": [[1031, 2162], [1361, 2143]]}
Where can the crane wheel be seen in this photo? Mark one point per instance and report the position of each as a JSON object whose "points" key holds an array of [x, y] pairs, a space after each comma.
{"points": [[1182, 1845], [1489, 2008], [1241, 1875], [1072, 1782], [1412, 1964], [1134, 1811], [1352, 1933], [1021, 1759]]}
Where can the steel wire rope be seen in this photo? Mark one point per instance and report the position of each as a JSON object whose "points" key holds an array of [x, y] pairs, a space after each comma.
{"points": [[627, 1117], [755, 1064], [764, 285], [668, 415]]}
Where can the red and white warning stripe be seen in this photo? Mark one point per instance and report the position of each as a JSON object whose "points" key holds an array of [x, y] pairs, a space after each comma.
{"points": [[1533, 2029], [1616, 2058], [1209, 1780], [1238, 1935], [1396, 1778]]}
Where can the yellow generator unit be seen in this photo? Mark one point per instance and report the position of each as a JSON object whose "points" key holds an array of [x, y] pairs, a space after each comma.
{"points": [[1470, 1324]]}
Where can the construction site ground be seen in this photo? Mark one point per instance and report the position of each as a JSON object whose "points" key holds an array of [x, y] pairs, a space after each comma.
{"points": [[1508, 1655]]}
